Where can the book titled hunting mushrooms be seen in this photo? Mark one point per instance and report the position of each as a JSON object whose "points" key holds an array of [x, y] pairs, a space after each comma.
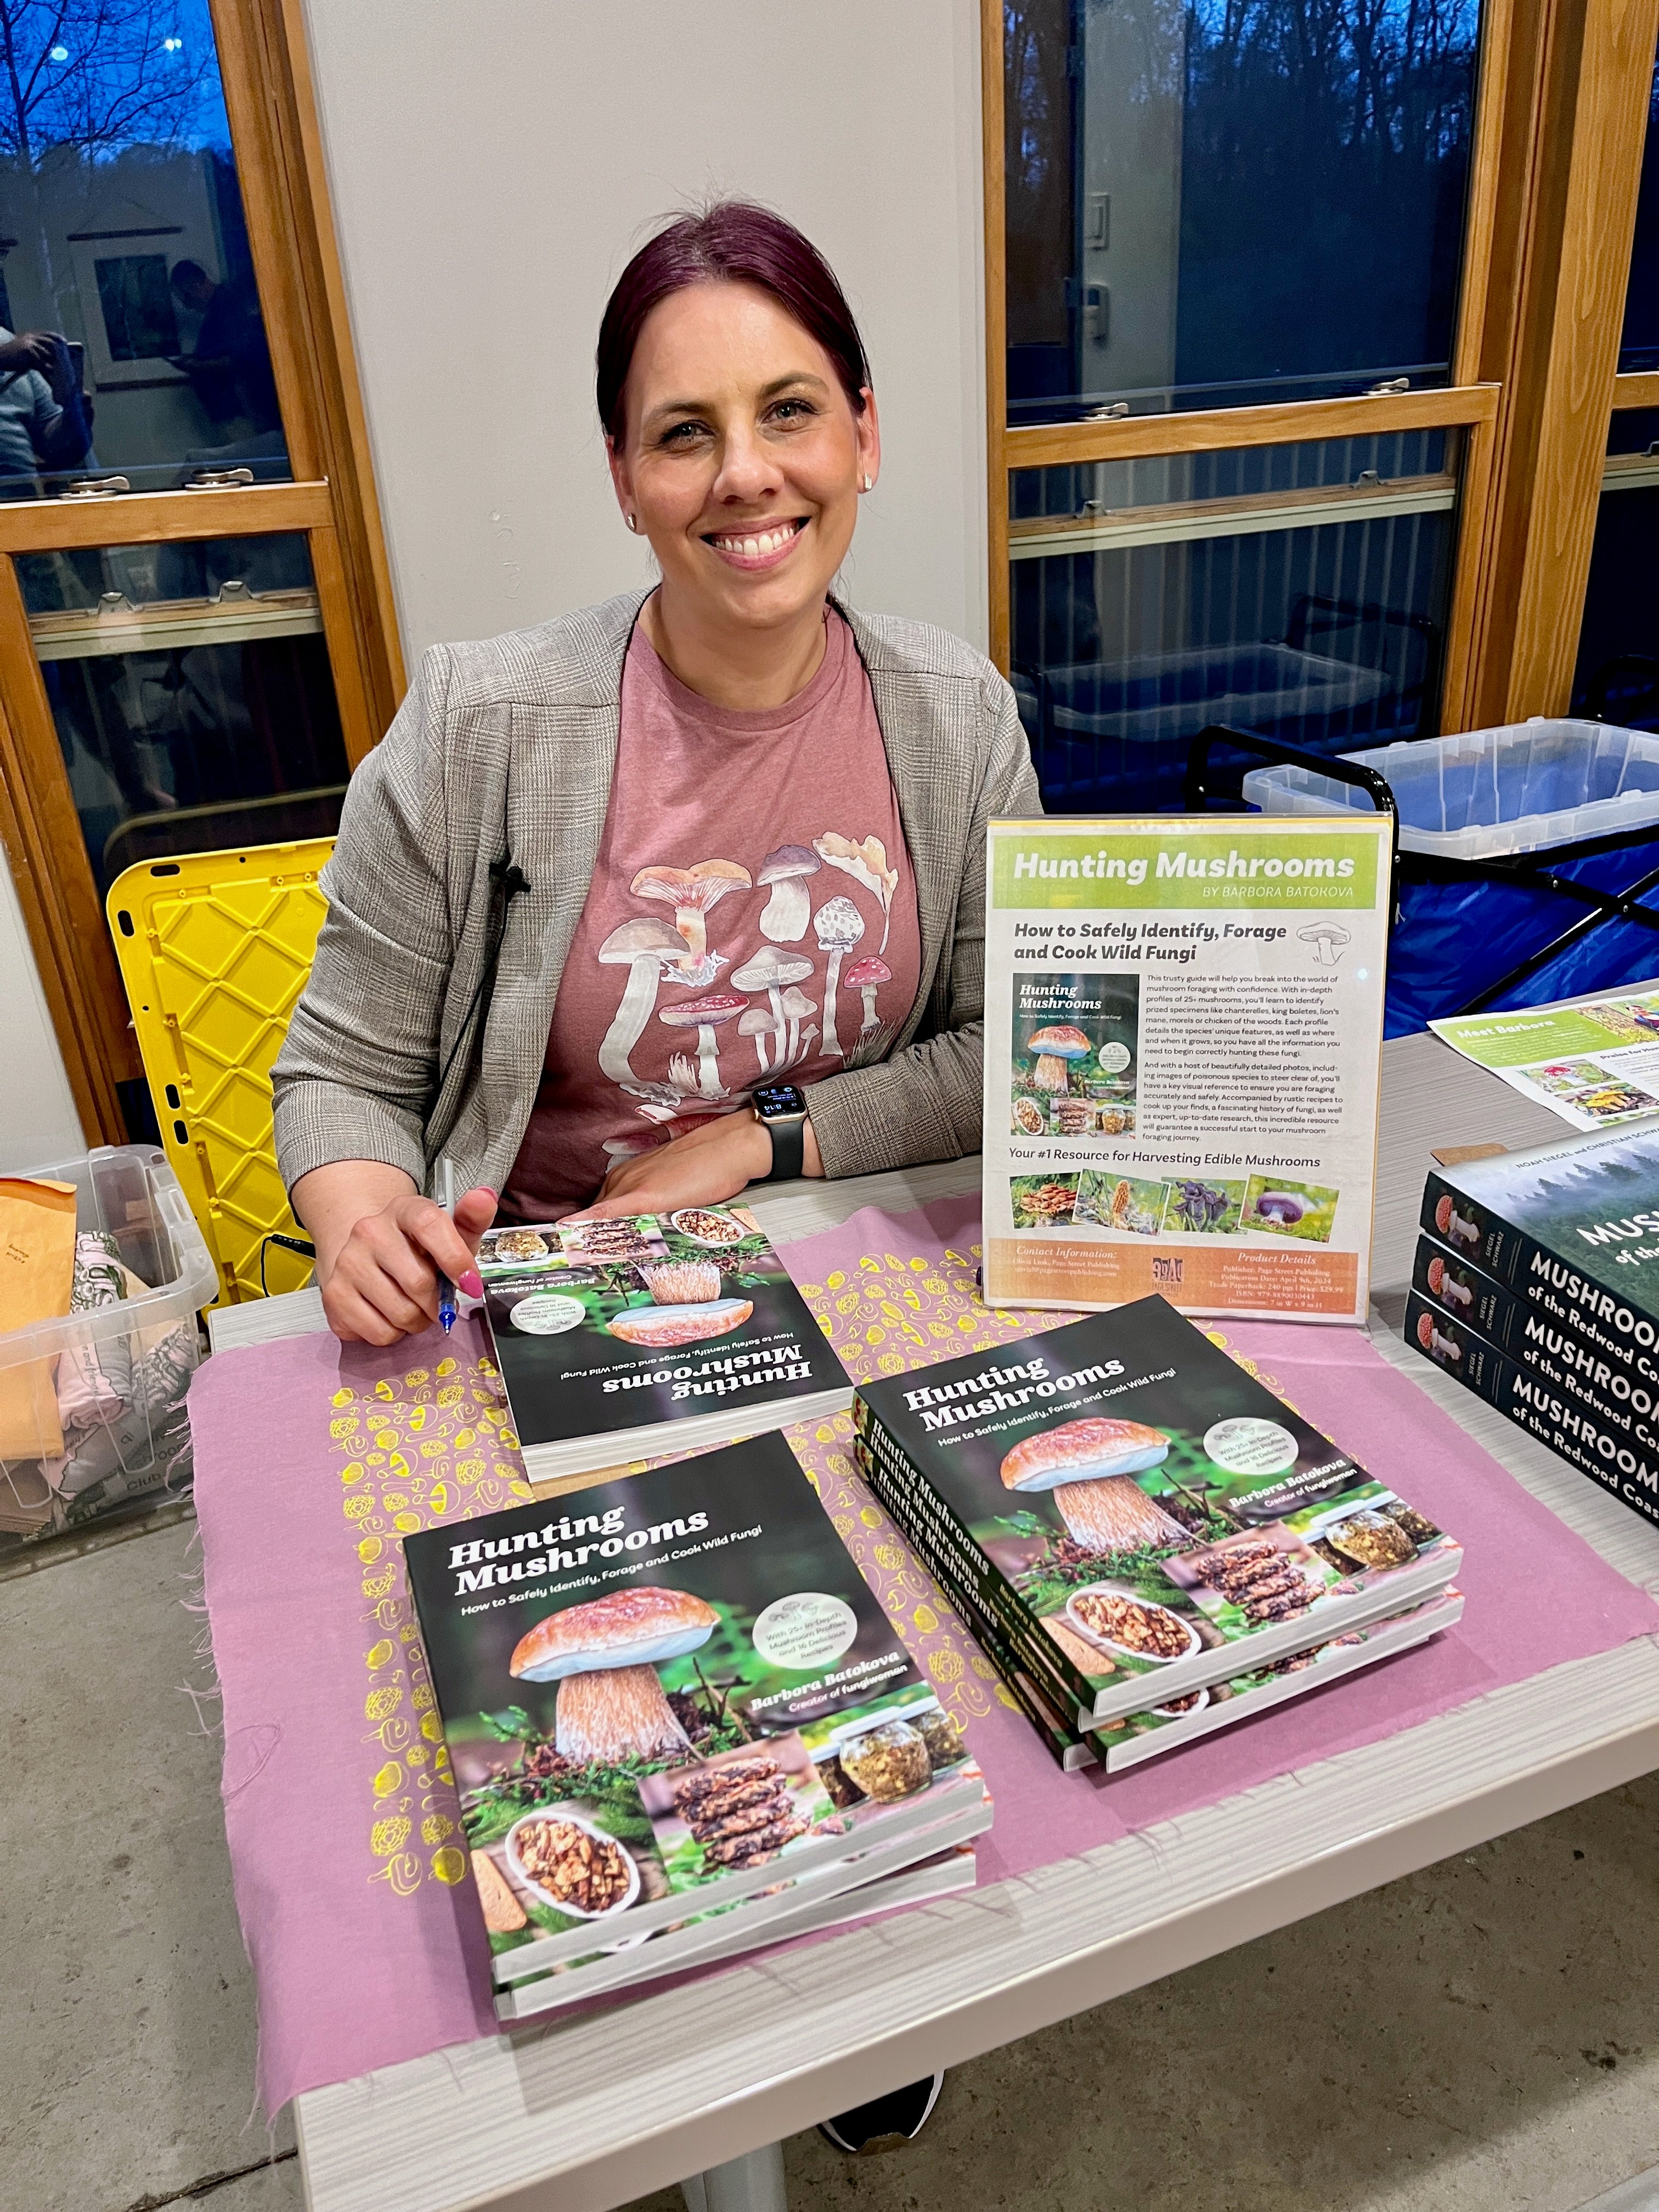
{"points": [[606, 1331], [678, 1719], [1138, 1516], [1135, 1737]]}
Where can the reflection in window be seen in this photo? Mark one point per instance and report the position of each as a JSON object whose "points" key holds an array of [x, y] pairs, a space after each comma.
{"points": [[190, 688], [1638, 344], [1617, 678], [1295, 591], [1212, 204], [124, 254]]}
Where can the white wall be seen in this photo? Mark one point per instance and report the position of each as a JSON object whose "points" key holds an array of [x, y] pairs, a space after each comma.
{"points": [[493, 166], [40, 1124]]}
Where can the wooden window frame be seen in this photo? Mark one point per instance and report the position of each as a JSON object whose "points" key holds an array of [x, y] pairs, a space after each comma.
{"points": [[331, 502], [1560, 112]]}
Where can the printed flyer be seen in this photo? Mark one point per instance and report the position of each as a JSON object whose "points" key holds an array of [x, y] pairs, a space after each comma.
{"points": [[1183, 1031], [1593, 1060]]}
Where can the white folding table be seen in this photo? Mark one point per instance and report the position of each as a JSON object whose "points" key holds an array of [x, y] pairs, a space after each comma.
{"points": [[706, 2079]]}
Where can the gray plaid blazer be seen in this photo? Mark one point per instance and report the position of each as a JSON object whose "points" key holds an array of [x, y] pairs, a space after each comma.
{"points": [[506, 749]]}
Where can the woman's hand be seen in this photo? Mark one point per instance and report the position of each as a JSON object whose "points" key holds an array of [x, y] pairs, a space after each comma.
{"points": [[708, 1164], [381, 1246]]}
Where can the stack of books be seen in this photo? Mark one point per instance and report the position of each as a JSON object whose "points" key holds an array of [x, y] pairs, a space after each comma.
{"points": [[1148, 1545], [650, 1333], [1536, 1285], [680, 1725]]}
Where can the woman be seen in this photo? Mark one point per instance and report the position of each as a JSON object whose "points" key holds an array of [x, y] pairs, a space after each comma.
{"points": [[606, 880]]}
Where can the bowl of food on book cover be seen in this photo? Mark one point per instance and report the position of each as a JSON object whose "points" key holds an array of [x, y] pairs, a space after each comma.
{"points": [[674, 1686]]}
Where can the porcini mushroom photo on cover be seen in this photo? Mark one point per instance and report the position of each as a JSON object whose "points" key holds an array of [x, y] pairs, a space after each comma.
{"points": [[1076, 1052]]}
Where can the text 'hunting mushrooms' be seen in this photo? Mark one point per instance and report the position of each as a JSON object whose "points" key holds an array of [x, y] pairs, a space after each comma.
{"points": [[1056, 1048], [604, 1657], [1325, 937], [1089, 1466]]}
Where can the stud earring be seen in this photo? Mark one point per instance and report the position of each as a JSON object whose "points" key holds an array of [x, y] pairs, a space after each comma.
{"points": [[633, 522], [866, 483]]}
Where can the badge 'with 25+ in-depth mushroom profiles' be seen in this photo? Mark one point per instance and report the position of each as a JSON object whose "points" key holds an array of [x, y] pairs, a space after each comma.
{"points": [[1183, 1026], [667, 1696]]}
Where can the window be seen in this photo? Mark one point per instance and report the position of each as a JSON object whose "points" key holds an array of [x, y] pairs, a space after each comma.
{"points": [[1212, 202], [195, 633], [1304, 317]]}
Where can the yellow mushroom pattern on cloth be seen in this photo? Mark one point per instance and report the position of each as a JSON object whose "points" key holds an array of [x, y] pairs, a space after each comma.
{"points": [[751, 918]]}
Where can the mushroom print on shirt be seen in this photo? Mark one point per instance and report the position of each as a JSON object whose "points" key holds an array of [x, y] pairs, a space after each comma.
{"points": [[751, 918]]}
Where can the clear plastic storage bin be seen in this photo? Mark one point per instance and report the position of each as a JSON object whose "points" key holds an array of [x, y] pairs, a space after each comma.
{"points": [[1529, 792], [122, 1369], [1518, 789]]}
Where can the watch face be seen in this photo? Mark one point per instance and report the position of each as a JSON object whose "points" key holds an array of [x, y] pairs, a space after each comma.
{"points": [[773, 1099]]}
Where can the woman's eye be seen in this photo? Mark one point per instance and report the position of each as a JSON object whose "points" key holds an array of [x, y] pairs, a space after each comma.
{"points": [[685, 433], [792, 411]]}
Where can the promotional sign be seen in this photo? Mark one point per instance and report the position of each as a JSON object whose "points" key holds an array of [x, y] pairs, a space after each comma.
{"points": [[1183, 1031], [1593, 1060]]}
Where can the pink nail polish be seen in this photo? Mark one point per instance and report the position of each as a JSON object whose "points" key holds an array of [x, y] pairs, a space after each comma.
{"points": [[472, 1282]]}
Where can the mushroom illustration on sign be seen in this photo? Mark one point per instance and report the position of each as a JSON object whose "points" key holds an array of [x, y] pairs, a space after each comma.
{"points": [[1056, 1047], [691, 892], [770, 971], [784, 917], [867, 977], [867, 865], [1089, 1466], [604, 1657], [647, 948], [797, 1006], [1326, 938], [705, 1015], [838, 926], [758, 1024]]}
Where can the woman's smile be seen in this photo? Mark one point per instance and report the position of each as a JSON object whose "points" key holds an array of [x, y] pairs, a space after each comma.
{"points": [[754, 546]]}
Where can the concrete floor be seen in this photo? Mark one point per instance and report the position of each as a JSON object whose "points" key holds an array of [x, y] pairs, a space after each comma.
{"points": [[1483, 2037]]}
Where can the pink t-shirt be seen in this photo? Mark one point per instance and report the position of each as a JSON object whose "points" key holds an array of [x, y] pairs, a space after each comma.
{"points": [[752, 917]]}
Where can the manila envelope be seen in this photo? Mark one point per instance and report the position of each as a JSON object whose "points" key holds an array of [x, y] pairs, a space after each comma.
{"points": [[37, 1272]]}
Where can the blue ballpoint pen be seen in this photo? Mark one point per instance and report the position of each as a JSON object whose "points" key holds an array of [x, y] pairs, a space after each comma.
{"points": [[446, 1197]]}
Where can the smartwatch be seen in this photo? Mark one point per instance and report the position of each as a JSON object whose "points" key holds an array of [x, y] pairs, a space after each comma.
{"points": [[780, 1110]]}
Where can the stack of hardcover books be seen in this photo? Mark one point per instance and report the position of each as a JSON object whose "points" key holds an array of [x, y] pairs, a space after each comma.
{"points": [[1536, 1285], [1148, 1544], [680, 1725]]}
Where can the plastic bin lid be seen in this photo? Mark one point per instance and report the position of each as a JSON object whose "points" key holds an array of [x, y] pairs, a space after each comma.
{"points": [[1520, 789]]}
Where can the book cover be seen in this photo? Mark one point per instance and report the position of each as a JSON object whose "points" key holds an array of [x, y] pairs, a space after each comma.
{"points": [[1610, 1442], [606, 1328], [1572, 1227], [1122, 1479], [665, 1693]]}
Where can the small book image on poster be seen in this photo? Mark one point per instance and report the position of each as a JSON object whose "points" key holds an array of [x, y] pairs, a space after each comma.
{"points": [[675, 1712], [1183, 1036], [609, 1332]]}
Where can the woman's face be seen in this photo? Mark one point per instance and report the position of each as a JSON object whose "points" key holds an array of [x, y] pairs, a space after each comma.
{"points": [[743, 458]]}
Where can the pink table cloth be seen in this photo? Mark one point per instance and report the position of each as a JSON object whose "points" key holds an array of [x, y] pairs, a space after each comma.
{"points": [[312, 1458]]}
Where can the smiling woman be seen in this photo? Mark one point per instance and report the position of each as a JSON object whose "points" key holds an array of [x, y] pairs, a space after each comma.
{"points": [[683, 891]]}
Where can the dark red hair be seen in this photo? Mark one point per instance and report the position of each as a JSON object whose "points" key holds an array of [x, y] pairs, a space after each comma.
{"points": [[743, 244]]}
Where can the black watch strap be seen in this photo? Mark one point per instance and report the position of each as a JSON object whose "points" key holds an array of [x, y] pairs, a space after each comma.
{"points": [[789, 1148]]}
